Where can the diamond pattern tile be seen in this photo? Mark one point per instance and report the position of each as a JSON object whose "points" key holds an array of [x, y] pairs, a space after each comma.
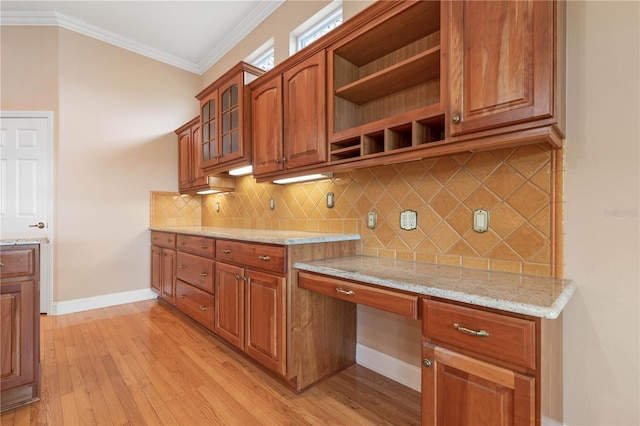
{"points": [[514, 184]]}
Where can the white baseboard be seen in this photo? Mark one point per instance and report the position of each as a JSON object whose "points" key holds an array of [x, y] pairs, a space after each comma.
{"points": [[393, 368], [97, 302]]}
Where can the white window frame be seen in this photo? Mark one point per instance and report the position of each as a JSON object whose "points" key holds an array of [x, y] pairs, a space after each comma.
{"points": [[314, 25], [262, 54]]}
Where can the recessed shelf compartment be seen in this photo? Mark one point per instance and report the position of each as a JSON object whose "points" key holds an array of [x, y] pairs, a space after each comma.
{"points": [[406, 74]]}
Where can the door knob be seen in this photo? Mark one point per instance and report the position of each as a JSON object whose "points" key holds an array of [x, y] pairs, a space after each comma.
{"points": [[37, 225]]}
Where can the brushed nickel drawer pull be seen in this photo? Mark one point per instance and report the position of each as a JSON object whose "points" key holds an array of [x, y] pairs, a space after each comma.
{"points": [[183, 266], [204, 246], [265, 258], [345, 292], [183, 296], [1, 265], [203, 308], [226, 251], [465, 330], [204, 274]]}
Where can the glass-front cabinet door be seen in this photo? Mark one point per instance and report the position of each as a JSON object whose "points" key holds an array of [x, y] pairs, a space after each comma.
{"points": [[210, 151], [229, 115]]}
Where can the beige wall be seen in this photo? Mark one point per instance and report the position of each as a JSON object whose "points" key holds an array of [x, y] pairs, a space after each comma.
{"points": [[114, 147], [115, 113], [601, 323]]}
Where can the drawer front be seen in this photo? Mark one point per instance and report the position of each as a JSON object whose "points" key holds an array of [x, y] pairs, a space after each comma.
{"points": [[495, 335], [196, 303], [200, 246], [163, 239], [17, 262], [250, 255], [195, 270], [387, 300]]}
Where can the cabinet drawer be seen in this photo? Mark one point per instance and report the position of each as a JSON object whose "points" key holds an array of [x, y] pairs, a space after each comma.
{"points": [[17, 262], [195, 303], [195, 270], [507, 338], [200, 246], [271, 258], [163, 239], [387, 300]]}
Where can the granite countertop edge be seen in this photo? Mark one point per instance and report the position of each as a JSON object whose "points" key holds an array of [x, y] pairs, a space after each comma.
{"points": [[22, 241], [279, 237], [504, 304]]}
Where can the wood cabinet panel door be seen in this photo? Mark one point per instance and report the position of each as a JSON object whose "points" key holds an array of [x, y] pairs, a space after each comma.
{"points": [[185, 174], [459, 390], [17, 337], [501, 63], [198, 177], [265, 327], [267, 127], [229, 301], [168, 275], [156, 269], [305, 112]]}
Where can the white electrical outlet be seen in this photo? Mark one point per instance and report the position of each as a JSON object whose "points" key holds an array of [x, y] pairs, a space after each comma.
{"points": [[408, 220], [372, 218]]}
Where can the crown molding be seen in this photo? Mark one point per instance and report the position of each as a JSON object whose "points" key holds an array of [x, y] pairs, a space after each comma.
{"points": [[30, 18], [257, 15]]}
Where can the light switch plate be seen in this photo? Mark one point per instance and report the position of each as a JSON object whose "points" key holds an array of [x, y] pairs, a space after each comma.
{"points": [[408, 220], [481, 220]]}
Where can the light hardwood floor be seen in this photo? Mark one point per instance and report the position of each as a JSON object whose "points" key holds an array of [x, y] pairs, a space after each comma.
{"points": [[143, 363]]}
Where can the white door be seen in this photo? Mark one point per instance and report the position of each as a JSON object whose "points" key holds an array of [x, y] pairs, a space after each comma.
{"points": [[25, 185]]}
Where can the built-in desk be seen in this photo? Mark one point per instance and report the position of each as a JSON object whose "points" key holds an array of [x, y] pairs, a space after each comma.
{"points": [[488, 336]]}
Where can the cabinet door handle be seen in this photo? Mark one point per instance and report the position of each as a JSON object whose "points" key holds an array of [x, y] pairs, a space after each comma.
{"points": [[204, 274], [203, 308], [183, 266], [169, 240], [427, 363], [465, 330], [1, 265], [345, 292], [183, 296], [456, 119], [203, 246], [265, 258], [226, 251]]}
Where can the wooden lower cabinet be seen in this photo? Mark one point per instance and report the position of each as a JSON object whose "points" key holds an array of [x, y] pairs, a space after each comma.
{"points": [[250, 313], [163, 272], [247, 294], [19, 325], [461, 390]]}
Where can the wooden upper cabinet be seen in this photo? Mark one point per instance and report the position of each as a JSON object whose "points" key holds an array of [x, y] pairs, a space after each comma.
{"points": [[305, 123], [267, 126], [226, 120], [501, 56], [289, 118], [190, 176]]}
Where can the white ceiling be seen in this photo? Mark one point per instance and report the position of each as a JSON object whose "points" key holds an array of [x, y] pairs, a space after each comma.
{"points": [[191, 35]]}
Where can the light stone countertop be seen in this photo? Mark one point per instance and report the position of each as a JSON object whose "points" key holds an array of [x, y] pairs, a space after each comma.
{"points": [[267, 236], [22, 241], [533, 295]]}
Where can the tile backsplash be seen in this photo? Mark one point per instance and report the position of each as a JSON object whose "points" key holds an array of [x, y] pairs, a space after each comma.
{"points": [[520, 187]]}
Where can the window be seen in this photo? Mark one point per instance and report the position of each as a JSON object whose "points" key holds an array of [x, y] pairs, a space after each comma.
{"points": [[320, 24], [263, 57]]}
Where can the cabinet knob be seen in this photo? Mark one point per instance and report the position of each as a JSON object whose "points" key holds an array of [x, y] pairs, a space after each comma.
{"points": [[456, 119], [183, 266], [427, 363]]}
